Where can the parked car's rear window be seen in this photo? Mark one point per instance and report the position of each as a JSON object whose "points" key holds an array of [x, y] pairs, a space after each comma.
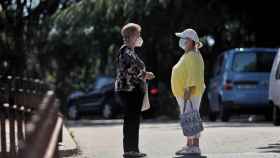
{"points": [[101, 82], [253, 61]]}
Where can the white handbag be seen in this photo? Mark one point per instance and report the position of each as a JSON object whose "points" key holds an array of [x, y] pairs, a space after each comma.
{"points": [[146, 103]]}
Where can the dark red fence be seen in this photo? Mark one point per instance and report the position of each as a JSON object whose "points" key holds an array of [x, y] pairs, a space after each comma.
{"points": [[30, 126]]}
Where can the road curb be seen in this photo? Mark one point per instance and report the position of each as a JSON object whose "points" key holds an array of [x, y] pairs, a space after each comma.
{"points": [[69, 146]]}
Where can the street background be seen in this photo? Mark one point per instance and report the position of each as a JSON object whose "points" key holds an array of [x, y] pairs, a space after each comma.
{"points": [[70, 43]]}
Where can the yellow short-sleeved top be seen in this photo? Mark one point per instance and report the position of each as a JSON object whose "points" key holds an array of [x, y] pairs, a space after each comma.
{"points": [[188, 72]]}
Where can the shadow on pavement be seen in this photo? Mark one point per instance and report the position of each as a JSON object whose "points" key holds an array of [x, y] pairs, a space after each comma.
{"points": [[112, 122], [96, 123], [271, 148], [235, 125], [183, 156], [190, 156]]}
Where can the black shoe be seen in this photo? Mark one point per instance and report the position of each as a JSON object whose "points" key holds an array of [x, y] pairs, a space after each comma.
{"points": [[132, 154]]}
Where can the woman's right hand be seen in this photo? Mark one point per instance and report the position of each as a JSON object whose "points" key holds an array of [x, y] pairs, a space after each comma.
{"points": [[149, 76]]}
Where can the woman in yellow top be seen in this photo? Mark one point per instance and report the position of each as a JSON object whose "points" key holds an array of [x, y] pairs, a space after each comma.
{"points": [[187, 81]]}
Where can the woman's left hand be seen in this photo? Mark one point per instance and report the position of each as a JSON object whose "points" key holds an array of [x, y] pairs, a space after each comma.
{"points": [[187, 94]]}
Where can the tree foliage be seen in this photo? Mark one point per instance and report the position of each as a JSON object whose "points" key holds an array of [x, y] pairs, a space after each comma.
{"points": [[69, 42]]}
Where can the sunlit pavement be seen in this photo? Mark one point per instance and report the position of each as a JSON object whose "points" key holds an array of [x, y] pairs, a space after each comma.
{"points": [[237, 139]]}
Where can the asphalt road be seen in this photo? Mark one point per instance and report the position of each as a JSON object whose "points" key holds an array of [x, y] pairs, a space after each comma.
{"points": [[237, 139]]}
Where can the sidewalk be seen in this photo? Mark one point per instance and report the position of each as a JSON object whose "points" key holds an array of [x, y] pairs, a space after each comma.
{"points": [[103, 139]]}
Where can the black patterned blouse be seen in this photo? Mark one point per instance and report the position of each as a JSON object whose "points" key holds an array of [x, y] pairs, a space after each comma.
{"points": [[131, 70]]}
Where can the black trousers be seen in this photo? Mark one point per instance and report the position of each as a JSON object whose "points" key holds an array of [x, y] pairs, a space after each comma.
{"points": [[132, 102]]}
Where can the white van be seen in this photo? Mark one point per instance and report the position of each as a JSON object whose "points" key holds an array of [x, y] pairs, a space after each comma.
{"points": [[274, 89]]}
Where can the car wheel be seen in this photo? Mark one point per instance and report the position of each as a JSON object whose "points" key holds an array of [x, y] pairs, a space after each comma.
{"points": [[276, 115], [225, 113], [268, 116], [107, 111], [73, 113], [213, 116]]}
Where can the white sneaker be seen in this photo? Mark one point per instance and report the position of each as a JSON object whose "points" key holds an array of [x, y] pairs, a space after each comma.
{"points": [[188, 150], [196, 150]]}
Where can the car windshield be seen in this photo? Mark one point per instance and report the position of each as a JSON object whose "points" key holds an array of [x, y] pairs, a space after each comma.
{"points": [[101, 82], [253, 61]]}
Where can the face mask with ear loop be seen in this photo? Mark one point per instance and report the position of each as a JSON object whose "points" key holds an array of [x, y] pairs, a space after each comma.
{"points": [[182, 43], [139, 42]]}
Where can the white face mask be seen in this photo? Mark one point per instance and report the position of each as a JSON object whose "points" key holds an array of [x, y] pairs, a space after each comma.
{"points": [[182, 43], [139, 42]]}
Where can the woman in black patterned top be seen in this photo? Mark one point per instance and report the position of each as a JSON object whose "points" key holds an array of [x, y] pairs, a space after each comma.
{"points": [[130, 85]]}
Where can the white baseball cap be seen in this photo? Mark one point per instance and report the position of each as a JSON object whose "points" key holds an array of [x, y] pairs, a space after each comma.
{"points": [[191, 34]]}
